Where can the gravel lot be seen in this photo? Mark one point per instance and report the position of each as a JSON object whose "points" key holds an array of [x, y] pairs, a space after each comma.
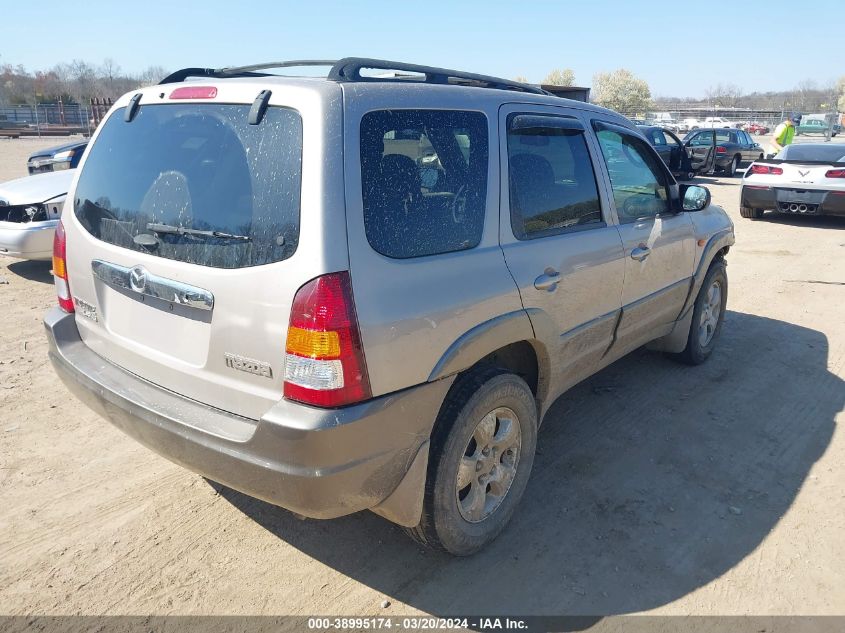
{"points": [[658, 488]]}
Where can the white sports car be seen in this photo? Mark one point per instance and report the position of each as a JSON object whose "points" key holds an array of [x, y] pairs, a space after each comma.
{"points": [[29, 212], [805, 179]]}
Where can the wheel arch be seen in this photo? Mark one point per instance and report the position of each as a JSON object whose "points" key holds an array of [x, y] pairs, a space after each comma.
{"points": [[508, 341], [716, 250]]}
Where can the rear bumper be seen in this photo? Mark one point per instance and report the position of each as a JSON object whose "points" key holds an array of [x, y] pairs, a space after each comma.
{"points": [[778, 199], [27, 241], [316, 462]]}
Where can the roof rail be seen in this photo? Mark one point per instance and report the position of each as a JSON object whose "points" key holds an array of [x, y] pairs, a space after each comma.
{"points": [[349, 69], [241, 71]]}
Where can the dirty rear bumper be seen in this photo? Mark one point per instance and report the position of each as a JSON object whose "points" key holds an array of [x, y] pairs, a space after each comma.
{"points": [[321, 463]]}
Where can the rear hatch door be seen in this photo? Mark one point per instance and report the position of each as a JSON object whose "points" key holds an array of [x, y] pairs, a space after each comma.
{"points": [[186, 246]]}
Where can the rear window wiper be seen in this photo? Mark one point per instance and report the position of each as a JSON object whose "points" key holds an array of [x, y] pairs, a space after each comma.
{"points": [[169, 229]]}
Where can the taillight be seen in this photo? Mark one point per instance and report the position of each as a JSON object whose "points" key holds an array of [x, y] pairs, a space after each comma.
{"points": [[766, 170], [721, 150], [835, 173], [324, 358], [60, 269], [194, 92]]}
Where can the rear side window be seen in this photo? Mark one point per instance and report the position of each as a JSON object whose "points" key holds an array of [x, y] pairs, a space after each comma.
{"points": [[196, 183], [424, 180], [552, 182]]}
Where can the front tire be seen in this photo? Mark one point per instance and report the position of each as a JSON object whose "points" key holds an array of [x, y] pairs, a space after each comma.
{"points": [[707, 316], [482, 451]]}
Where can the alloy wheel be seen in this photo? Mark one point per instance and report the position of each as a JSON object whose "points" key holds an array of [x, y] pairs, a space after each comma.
{"points": [[488, 465], [710, 313]]}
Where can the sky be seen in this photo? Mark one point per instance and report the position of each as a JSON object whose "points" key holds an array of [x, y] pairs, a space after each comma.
{"points": [[680, 48]]}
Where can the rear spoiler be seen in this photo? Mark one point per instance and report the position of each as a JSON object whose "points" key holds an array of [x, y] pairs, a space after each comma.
{"points": [[779, 161]]}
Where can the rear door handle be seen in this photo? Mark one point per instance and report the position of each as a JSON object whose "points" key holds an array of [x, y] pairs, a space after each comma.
{"points": [[640, 253], [548, 280]]}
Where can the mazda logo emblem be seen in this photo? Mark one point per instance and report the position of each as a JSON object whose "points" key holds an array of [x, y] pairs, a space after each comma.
{"points": [[138, 279]]}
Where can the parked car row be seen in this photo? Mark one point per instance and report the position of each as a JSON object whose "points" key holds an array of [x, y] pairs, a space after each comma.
{"points": [[703, 150], [733, 147]]}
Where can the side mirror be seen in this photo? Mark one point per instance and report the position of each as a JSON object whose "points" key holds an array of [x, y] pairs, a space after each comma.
{"points": [[694, 198]]}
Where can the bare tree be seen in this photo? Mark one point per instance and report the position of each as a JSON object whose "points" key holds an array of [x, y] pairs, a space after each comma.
{"points": [[152, 75], [521, 79], [803, 92], [109, 72], [724, 95]]}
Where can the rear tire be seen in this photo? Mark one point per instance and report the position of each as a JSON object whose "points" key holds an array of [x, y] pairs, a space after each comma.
{"points": [[471, 491], [730, 170], [706, 323], [752, 214]]}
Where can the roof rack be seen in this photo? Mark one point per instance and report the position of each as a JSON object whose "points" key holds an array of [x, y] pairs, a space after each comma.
{"points": [[241, 71], [349, 69]]}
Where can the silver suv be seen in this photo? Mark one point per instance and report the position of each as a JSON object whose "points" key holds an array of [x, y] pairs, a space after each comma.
{"points": [[365, 290]]}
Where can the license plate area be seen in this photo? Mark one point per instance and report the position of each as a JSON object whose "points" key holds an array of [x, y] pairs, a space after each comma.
{"points": [[799, 196]]}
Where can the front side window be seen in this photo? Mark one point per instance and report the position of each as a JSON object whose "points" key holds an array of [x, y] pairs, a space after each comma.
{"points": [[638, 180], [424, 180], [196, 183], [551, 177]]}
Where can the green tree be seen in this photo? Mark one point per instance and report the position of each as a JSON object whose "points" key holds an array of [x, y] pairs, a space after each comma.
{"points": [[560, 77], [622, 91]]}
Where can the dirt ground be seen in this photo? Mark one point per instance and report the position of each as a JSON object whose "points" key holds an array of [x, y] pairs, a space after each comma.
{"points": [[658, 488]]}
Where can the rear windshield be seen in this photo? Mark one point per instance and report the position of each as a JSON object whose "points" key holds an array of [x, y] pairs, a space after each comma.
{"points": [[826, 153], [196, 183]]}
